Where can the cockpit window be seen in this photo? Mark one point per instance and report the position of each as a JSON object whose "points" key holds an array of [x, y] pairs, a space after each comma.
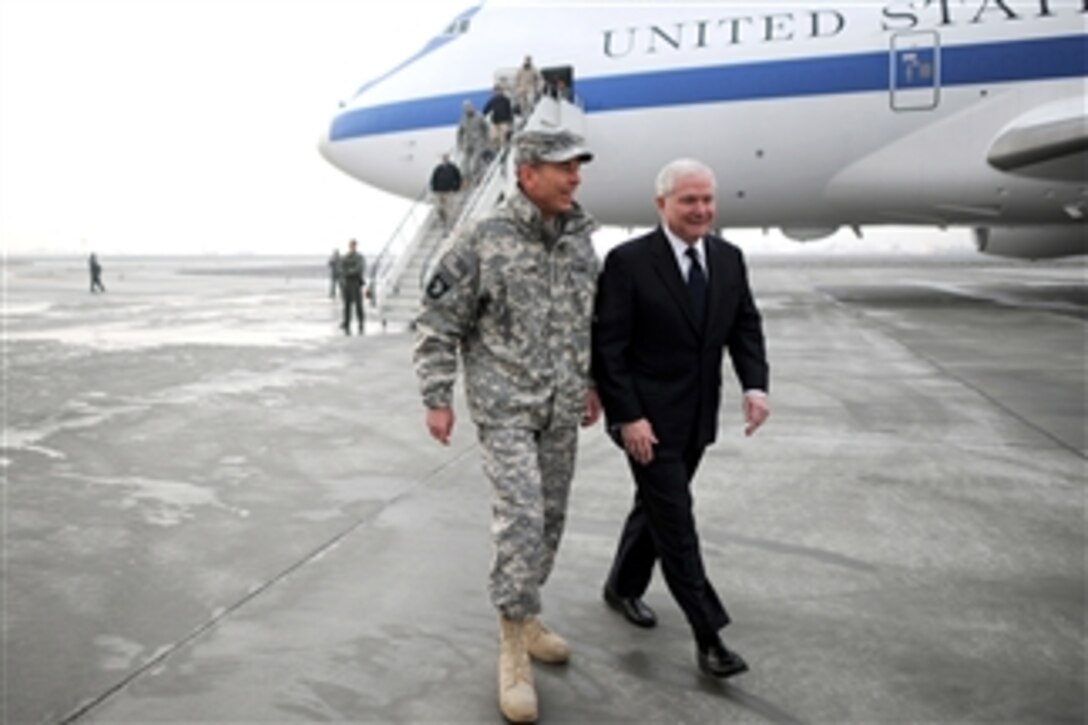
{"points": [[457, 27]]}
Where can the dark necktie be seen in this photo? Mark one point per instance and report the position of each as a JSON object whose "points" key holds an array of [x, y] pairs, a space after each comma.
{"points": [[696, 286]]}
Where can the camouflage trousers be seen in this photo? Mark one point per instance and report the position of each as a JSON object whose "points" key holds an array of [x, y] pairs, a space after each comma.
{"points": [[530, 473]]}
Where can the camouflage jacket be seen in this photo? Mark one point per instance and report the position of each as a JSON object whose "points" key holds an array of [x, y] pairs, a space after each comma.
{"points": [[471, 133], [515, 295]]}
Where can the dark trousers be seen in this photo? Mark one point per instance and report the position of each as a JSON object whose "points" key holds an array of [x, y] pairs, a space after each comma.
{"points": [[353, 297], [661, 526]]}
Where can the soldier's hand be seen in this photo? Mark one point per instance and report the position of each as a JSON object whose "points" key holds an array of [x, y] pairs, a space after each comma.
{"points": [[592, 410], [440, 424], [638, 440]]}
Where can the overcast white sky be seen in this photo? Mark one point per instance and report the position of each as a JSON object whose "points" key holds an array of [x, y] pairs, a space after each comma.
{"points": [[191, 126], [174, 126]]}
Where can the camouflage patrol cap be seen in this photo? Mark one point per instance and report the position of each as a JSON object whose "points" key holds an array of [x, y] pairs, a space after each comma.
{"points": [[549, 147]]}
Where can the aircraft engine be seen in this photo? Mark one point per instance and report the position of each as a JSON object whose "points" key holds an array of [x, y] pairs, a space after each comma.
{"points": [[1038, 242], [808, 234]]}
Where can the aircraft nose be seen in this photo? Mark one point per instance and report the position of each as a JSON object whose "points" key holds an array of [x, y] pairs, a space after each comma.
{"points": [[324, 145], [332, 151], [374, 160]]}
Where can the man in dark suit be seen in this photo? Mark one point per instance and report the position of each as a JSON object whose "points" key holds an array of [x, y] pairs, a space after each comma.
{"points": [[668, 304]]}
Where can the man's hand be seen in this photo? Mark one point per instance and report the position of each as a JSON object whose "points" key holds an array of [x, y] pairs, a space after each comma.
{"points": [[638, 440], [756, 409], [592, 409], [440, 424]]}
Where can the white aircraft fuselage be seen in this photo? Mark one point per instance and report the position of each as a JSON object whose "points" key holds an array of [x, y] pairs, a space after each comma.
{"points": [[813, 116]]}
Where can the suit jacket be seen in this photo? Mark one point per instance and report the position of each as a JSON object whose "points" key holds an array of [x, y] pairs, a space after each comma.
{"points": [[650, 360]]}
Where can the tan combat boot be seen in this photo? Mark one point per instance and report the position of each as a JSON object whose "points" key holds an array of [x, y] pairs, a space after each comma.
{"points": [[545, 645], [517, 696]]}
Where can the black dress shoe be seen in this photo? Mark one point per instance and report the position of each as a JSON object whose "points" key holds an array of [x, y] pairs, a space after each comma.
{"points": [[632, 608], [717, 660]]}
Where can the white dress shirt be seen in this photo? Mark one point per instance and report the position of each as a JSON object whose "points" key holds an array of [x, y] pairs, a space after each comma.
{"points": [[680, 248]]}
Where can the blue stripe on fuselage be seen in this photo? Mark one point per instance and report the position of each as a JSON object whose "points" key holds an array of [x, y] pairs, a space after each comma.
{"points": [[1043, 59], [430, 47]]}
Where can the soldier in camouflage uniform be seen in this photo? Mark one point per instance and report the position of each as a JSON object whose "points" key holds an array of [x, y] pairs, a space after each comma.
{"points": [[471, 142], [514, 296]]}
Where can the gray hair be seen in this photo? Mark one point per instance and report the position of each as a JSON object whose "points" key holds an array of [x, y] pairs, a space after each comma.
{"points": [[675, 170]]}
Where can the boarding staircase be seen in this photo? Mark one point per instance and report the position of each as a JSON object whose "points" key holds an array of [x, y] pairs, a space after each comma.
{"points": [[400, 271]]}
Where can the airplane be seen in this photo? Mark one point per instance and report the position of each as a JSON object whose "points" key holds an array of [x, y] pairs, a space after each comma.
{"points": [[814, 116]]}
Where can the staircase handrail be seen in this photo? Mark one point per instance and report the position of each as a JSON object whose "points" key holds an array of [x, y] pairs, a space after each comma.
{"points": [[397, 251], [469, 210]]}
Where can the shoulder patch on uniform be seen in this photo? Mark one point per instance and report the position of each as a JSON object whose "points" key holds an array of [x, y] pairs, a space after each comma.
{"points": [[438, 285], [453, 266], [457, 264]]}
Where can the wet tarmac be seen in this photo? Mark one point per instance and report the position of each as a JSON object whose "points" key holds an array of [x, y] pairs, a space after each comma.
{"points": [[218, 508]]}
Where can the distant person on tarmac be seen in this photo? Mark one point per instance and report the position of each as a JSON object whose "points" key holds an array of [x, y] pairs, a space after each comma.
{"points": [[352, 272], [96, 274], [445, 183], [334, 273]]}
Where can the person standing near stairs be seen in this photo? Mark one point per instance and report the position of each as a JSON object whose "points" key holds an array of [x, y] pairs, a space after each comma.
{"points": [[513, 298], [352, 273]]}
